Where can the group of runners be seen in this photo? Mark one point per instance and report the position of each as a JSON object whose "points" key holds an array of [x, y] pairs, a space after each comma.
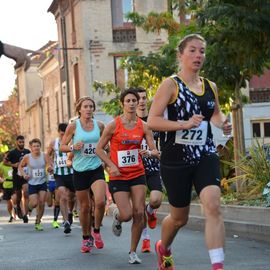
{"points": [[30, 174], [173, 145]]}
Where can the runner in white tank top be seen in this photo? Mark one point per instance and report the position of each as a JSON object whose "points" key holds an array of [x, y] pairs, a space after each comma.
{"points": [[37, 162]]}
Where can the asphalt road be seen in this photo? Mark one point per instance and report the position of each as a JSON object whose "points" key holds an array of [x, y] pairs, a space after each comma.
{"points": [[21, 247]]}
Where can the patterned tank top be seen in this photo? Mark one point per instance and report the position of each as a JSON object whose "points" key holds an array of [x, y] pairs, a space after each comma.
{"points": [[186, 147], [60, 160], [151, 165]]}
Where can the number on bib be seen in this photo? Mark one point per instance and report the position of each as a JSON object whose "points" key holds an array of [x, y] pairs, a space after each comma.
{"points": [[128, 158], [144, 145], [89, 149], [37, 173], [194, 136], [61, 161]]}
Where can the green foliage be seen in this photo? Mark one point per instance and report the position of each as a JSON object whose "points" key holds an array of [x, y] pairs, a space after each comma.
{"points": [[256, 170], [9, 121], [149, 71], [154, 22], [144, 71], [238, 36], [113, 106], [238, 199]]}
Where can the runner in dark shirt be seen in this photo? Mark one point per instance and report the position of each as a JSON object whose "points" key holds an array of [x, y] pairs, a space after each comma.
{"points": [[20, 184]]}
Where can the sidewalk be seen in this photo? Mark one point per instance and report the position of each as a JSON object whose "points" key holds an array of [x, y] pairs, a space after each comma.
{"points": [[240, 221]]}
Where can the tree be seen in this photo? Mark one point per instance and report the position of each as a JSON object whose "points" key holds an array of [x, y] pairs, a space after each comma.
{"points": [[9, 120], [148, 71], [237, 34], [238, 37], [113, 106]]}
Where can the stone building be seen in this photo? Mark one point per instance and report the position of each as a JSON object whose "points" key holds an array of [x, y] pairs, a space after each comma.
{"points": [[36, 87], [93, 36]]}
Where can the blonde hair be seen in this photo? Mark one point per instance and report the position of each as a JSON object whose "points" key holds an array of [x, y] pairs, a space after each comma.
{"points": [[79, 102]]}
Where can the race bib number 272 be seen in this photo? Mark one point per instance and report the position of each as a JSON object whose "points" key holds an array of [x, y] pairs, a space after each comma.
{"points": [[194, 136]]}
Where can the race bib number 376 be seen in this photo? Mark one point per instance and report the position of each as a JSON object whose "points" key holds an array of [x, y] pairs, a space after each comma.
{"points": [[194, 136], [128, 158]]}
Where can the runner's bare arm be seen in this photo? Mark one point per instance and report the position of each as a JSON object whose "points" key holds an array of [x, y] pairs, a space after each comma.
{"points": [[49, 164], [22, 164], [165, 94], [148, 134], [64, 147], [50, 150], [218, 117], [101, 146], [101, 127]]}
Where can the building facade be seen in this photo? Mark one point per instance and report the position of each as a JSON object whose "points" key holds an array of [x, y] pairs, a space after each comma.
{"points": [[40, 106], [256, 114], [93, 37]]}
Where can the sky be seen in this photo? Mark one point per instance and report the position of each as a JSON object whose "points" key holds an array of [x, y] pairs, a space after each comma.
{"points": [[27, 24]]}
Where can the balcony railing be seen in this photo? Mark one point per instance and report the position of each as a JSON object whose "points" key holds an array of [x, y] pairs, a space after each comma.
{"points": [[124, 35], [259, 95]]}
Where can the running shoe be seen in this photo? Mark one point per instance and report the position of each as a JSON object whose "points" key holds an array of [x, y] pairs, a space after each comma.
{"points": [[75, 214], [116, 226], [38, 227], [25, 219], [11, 219], [133, 258], [98, 240], [70, 218], [55, 224], [164, 262], [67, 228], [146, 247], [151, 219], [86, 246], [91, 240]]}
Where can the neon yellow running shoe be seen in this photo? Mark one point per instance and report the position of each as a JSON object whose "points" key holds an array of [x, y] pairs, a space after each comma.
{"points": [[55, 224], [38, 227], [75, 213]]}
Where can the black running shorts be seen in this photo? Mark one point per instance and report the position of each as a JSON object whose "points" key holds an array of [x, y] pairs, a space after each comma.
{"points": [[178, 180], [64, 181], [154, 182], [84, 180], [125, 185]]}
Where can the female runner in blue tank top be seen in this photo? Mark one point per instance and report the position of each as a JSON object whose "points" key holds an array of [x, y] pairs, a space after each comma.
{"points": [[182, 109], [88, 173]]}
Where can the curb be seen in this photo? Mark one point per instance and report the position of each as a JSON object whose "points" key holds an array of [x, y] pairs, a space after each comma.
{"points": [[240, 221]]}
